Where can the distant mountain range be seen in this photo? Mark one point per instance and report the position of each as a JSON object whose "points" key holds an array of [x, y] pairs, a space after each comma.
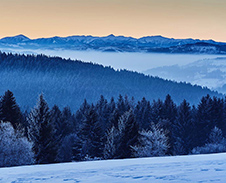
{"points": [[113, 43]]}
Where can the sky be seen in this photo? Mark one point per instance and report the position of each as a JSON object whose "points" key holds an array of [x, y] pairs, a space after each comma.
{"points": [[203, 19]]}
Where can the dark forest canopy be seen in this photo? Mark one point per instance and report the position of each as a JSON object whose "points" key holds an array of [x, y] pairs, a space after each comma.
{"points": [[68, 82], [116, 129]]}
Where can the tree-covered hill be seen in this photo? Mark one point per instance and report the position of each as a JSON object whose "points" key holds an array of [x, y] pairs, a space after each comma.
{"points": [[68, 82]]}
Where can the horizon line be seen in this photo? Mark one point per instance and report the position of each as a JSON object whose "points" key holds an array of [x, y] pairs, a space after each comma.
{"points": [[107, 35]]}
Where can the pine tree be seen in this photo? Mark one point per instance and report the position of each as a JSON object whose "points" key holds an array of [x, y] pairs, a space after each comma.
{"points": [[156, 111], [9, 110], [41, 133], [143, 114], [56, 120], [121, 106], [92, 135], [68, 122], [169, 114], [128, 134], [103, 112], [183, 129], [204, 120], [217, 113], [81, 113]]}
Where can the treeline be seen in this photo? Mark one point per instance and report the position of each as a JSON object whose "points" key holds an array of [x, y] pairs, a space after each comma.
{"points": [[119, 128], [68, 82]]}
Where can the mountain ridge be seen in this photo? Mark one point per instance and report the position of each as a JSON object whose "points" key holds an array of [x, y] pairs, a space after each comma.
{"points": [[68, 82], [114, 43]]}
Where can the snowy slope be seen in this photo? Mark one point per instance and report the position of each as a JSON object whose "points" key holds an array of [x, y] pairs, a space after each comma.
{"points": [[193, 168]]}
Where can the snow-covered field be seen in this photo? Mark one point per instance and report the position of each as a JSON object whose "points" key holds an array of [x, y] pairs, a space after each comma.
{"points": [[180, 169]]}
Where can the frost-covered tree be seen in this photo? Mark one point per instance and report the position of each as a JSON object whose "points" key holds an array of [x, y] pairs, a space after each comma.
{"points": [[216, 143], [14, 149], [151, 143], [216, 136], [111, 143], [41, 133]]}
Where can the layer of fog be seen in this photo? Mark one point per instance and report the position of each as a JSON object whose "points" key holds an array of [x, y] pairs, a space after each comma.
{"points": [[139, 62], [192, 68]]}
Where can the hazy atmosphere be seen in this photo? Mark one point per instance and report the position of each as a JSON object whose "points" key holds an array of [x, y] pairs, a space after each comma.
{"points": [[113, 91], [137, 18]]}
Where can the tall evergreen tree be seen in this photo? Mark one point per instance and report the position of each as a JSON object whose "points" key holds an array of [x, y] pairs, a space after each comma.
{"points": [[143, 114], [68, 121], [184, 129], [121, 105], [156, 111], [204, 120], [81, 113], [128, 134], [217, 113], [103, 112], [92, 135], [41, 133], [169, 114], [9, 110]]}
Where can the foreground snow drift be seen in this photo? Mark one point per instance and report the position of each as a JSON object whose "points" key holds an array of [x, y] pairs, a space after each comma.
{"points": [[194, 168]]}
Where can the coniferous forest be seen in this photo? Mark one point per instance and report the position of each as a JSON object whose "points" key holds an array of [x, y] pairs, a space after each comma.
{"points": [[68, 82], [109, 129]]}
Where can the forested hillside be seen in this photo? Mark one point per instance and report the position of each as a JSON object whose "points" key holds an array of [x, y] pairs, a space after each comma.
{"points": [[68, 83], [116, 129]]}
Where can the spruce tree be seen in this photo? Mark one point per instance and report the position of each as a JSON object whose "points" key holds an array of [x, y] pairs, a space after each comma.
{"points": [[81, 113], [9, 110], [204, 122], [156, 111], [217, 114], [41, 133], [169, 114], [92, 135], [183, 129], [68, 124], [143, 114], [128, 134], [102, 111]]}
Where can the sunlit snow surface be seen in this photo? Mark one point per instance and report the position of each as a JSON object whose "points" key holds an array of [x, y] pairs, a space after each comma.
{"points": [[180, 169]]}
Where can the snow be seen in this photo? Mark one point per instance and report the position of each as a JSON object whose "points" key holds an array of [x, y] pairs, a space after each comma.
{"points": [[180, 169]]}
